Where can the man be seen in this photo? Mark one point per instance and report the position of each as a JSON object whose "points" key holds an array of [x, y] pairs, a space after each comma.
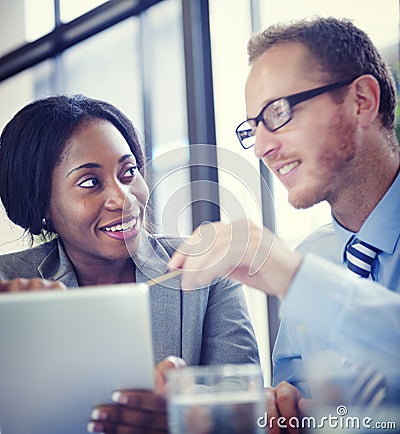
{"points": [[334, 143], [320, 106]]}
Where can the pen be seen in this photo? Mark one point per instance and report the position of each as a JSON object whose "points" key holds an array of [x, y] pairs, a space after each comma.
{"points": [[163, 277]]}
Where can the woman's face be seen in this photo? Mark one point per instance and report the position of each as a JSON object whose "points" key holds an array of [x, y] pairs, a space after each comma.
{"points": [[98, 196]]}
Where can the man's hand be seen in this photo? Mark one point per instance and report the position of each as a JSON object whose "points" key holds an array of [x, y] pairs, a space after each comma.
{"points": [[137, 411], [241, 250], [35, 284], [285, 402]]}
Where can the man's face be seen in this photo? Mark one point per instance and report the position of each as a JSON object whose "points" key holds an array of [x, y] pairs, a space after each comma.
{"points": [[320, 141]]}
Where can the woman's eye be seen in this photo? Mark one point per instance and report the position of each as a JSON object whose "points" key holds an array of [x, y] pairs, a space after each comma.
{"points": [[130, 173], [89, 183]]}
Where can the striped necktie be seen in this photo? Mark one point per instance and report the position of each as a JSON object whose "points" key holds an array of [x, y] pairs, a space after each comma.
{"points": [[359, 257], [369, 388]]}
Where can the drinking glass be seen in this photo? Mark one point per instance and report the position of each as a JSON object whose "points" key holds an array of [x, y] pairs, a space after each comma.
{"points": [[223, 399]]}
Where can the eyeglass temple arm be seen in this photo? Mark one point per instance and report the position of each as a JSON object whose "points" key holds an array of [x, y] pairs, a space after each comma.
{"points": [[308, 94]]}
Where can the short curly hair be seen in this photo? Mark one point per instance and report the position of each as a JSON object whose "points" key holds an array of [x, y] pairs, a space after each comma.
{"points": [[341, 49]]}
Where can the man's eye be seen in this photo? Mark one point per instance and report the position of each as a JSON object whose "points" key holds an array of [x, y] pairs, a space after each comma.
{"points": [[89, 183], [280, 108], [130, 173]]}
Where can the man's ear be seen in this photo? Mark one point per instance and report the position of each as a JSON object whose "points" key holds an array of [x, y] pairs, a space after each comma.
{"points": [[367, 97]]}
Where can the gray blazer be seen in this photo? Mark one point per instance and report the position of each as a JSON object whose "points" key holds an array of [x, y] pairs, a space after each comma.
{"points": [[208, 326]]}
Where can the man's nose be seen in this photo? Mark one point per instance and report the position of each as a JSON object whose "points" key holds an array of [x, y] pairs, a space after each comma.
{"points": [[266, 143]]}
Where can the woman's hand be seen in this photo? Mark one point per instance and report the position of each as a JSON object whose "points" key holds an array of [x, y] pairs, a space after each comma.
{"points": [[35, 284], [137, 411]]}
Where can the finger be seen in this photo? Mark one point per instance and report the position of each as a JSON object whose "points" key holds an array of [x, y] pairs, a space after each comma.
{"points": [[118, 415], [272, 411], [3, 285], [185, 248], [208, 257], [13, 285], [20, 284], [110, 428], [177, 260], [198, 253], [226, 250], [53, 284], [171, 362], [37, 284], [287, 398], [161, 370], [306, 406], [34, 284], [189, 270], [140, 399]]}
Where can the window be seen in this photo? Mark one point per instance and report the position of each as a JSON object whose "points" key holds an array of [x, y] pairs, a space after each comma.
{"points": [[39, 18], [71, 9], [238, 174]]}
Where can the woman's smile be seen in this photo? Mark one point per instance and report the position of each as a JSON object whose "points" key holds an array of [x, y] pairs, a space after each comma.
{"points": [[124, 230]]}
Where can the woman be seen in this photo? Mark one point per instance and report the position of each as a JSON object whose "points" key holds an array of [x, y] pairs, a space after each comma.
{"points": [[71, 168]]}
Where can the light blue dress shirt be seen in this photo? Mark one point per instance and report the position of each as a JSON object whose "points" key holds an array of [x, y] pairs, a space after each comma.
{"points": [[327, 309]]}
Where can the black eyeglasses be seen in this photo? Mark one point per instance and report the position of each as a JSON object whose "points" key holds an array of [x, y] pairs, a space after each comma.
{"points": [[278, 113]]}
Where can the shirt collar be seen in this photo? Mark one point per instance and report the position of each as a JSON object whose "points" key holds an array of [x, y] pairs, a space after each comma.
{"points": [[385, 216]]}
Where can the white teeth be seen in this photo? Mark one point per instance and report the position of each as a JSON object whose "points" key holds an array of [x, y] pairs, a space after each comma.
{"points": [[125, 226], [288, 167]]}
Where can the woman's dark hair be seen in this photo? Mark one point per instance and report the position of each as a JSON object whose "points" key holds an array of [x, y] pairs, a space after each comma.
{"points": [[32, 144]]}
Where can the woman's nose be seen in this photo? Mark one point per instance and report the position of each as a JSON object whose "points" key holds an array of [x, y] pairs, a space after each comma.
{"points": [[116, 194]]}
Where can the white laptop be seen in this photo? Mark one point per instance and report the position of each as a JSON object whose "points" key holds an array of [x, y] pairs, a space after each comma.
{"points": [[63, 352]]}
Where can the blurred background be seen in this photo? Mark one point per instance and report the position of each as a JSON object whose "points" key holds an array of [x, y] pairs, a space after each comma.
{"points": [[177, 68]]}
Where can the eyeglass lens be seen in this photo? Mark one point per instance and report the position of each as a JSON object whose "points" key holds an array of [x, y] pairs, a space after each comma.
{"points": [[275, 115], [278, 113]]}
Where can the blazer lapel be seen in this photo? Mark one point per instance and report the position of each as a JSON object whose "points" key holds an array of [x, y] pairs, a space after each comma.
{"points": [[57, 266], [165, 298]]}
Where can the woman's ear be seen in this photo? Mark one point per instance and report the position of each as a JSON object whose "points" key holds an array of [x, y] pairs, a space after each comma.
{"points": [[46, 223], [367, 97]]}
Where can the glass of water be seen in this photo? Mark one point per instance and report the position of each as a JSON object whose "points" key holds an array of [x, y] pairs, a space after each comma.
{"points": [[222, 399]]}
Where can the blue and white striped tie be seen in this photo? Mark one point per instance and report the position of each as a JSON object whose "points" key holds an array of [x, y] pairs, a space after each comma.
{"points": [[369, 388], [360, 256]]}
